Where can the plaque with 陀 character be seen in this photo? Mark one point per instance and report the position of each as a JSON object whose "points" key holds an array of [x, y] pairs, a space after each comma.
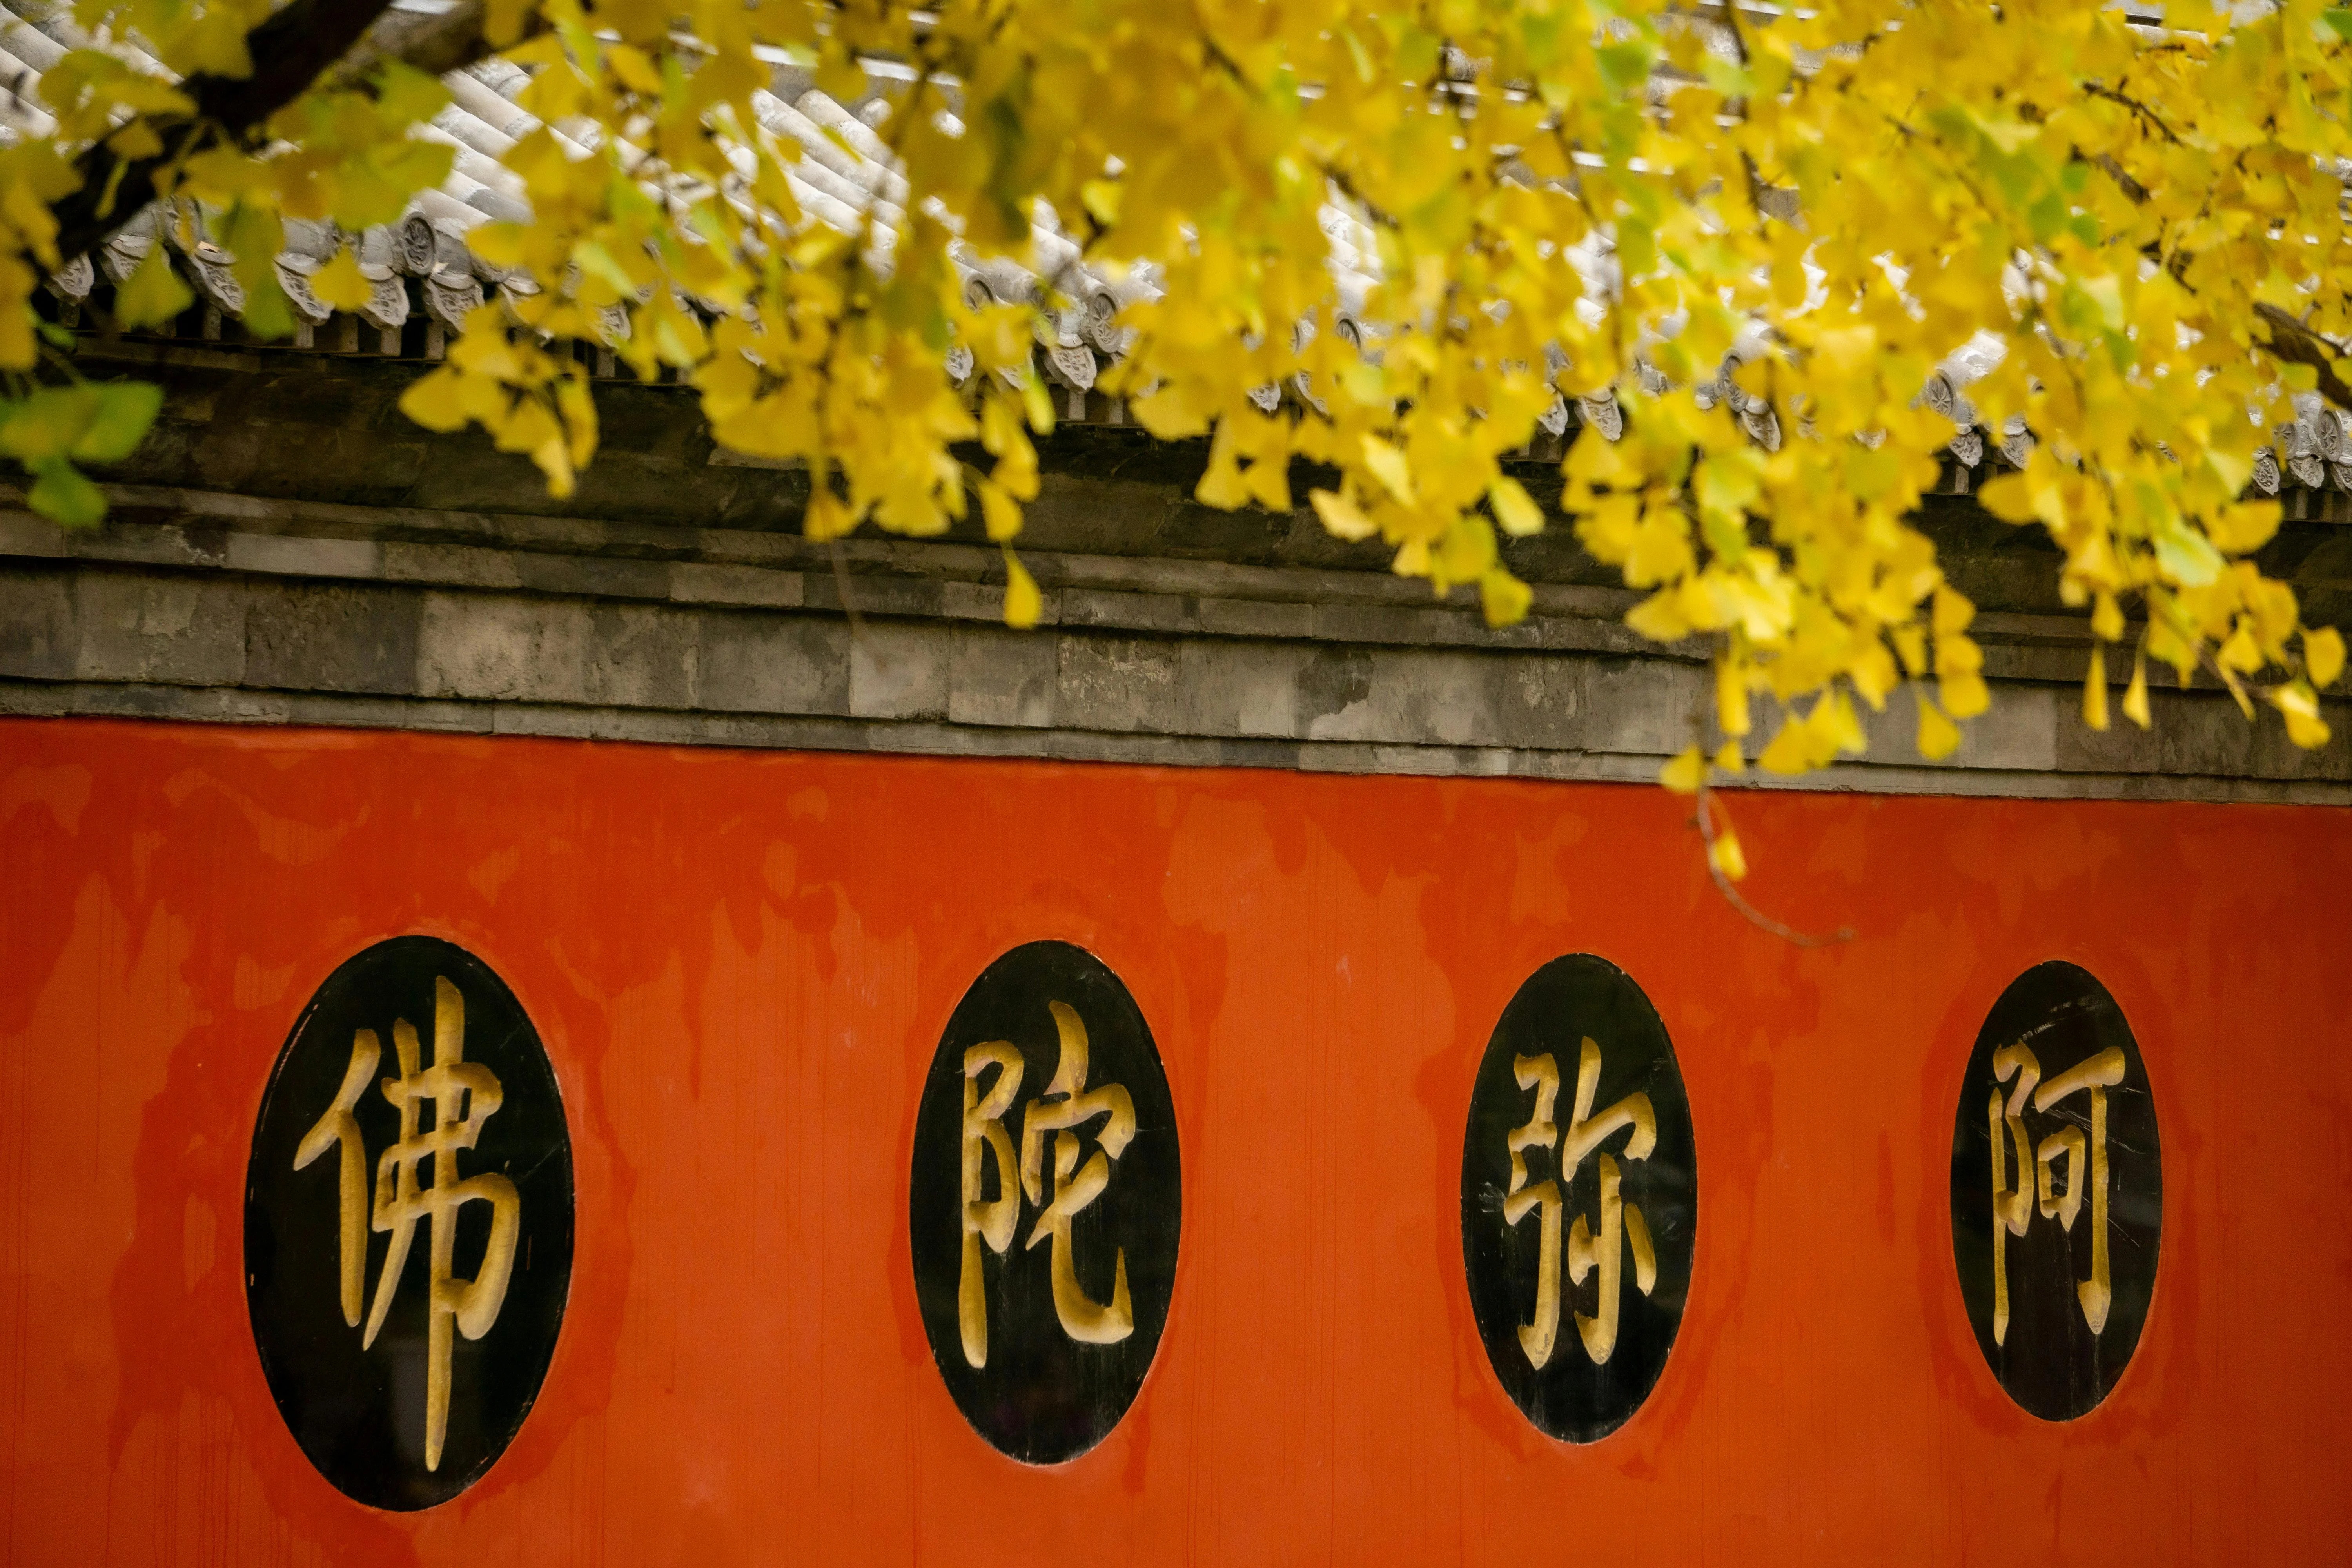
{"points": [[408, 1223], [1045, 1201], [2057, 1191], [1580, 1198]]}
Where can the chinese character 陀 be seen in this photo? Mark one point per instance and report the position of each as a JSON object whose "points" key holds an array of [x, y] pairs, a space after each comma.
{"points": [[463, 1096], [2013, 1208], [1066, 1106], [1622, 1224]]}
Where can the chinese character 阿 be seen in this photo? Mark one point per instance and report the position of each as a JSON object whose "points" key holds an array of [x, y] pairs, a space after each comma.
{"points": [[1066, 1105], [464, 1095], [1622, 1223], [2013, 1208]]}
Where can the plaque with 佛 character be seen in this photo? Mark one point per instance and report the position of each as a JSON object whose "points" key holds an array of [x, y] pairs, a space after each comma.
{"points": [[408, 1223], [1045, 1202]]}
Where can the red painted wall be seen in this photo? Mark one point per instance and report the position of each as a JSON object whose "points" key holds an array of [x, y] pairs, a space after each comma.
{"points": [[740, 964]]}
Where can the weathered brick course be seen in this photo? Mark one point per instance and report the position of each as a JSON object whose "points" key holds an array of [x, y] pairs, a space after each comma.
{"points": [[673, 602]]}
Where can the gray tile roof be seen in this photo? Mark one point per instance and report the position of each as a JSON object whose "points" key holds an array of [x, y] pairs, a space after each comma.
{"points": [[426, 278]]}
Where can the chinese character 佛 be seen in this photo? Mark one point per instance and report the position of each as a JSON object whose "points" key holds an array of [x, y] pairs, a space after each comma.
{"points": [[1066, 1106], [1586, 1132], [463, 1095], [2013, 1208]]}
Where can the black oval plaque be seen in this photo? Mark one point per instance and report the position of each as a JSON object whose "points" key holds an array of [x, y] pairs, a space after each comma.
{"points": [[408, 1223], [2055, 1240], [1580, 1198], [1045, 1202]]}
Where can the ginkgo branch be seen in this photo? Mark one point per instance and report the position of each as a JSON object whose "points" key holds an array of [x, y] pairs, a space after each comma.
{"points": [[1705, 808], [300, 41], [435, 43], [2295, 343], [2098, 90]]}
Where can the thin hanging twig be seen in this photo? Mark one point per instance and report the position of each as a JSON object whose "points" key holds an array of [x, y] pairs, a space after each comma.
{"points": [[1704, 819], [1703, 816], [841, 587]]}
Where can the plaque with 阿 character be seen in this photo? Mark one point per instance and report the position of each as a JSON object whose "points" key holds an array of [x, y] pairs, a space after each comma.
{"points": [[408, 1223], [2057, 1191], [1045, 1202], [1580, 1198]]}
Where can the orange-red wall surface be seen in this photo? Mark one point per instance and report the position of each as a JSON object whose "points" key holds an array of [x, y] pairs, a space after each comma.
{"points": [[741, 966]]}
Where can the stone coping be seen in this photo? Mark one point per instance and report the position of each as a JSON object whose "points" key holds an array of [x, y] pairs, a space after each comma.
{"points": [[241, 609]]}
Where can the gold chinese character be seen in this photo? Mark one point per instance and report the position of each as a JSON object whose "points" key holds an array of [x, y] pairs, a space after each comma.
{"points": [[1542, 1075], [2013, 1208], [1069, 1103], [339, 1127], [464, 1095], [991, 1221], [1622, 1224], [2011, 1212]]}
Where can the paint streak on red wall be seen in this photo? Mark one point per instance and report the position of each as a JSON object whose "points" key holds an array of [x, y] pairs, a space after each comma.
{"points": [[740, 964]]}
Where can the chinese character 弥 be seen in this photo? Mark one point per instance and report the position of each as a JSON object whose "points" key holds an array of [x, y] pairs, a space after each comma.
{"points": [[2013, 1208], [1069, 1187], [464, 1095], [1622, 1224]]}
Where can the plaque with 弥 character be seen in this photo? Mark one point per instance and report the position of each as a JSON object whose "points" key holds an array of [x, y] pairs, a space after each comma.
{"points": [[1580, 1198]]}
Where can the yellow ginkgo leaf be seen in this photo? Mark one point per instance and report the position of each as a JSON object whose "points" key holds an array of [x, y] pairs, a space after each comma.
{"points": [[2094, 689], [2108, 618], [1787, 751], [436, 401], [1341, 517], [1022, 603], [1514, 508], [2300, 707], [152, 295], [1731, 706], [1723, 853], [1503, 598], [2323, 656], [1686, 772], [998, 511], [1964, 695], [1388, 465], [1939, 736], [2135, 694], [339, 282]]}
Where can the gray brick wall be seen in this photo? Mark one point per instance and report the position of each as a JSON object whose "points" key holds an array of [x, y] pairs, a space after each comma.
{"points": [[355, 601]]}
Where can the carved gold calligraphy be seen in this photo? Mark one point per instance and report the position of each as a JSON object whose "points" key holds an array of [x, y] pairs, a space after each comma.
{"points": [[463, 1095], [1621, 1225], [1060, 1194], [2014, 1207]]}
